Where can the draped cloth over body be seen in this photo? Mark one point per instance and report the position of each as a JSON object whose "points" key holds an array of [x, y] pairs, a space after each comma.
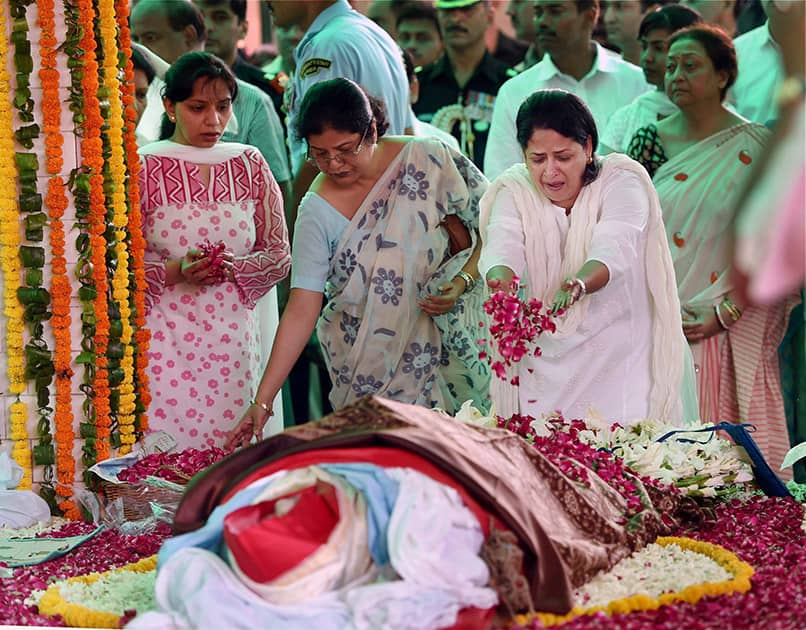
{"points": [[738, 376], [643, 297], [203, 358], [375, 337], [568, 531]]}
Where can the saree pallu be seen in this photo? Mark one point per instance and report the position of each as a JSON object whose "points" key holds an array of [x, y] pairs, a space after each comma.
{"points": [[737, 370], [375, 338]]}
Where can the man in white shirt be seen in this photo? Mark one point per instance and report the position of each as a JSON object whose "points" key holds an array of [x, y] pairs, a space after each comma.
{"points": [[573, 62], [760, 70]]}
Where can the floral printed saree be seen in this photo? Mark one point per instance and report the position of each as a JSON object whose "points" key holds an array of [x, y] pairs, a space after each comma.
{"points": [[375, 338]]}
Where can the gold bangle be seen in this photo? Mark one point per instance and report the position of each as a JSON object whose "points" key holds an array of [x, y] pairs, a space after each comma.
{"points": [[470, 281], [719, 319], [732, 309], [263, 406]]}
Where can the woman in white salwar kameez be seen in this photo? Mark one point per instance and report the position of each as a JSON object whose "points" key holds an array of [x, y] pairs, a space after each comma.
{"points": [[204, 355], [584, 235]]}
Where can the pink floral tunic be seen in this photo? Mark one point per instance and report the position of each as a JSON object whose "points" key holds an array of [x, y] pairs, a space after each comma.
{"points": [[203, 359]]}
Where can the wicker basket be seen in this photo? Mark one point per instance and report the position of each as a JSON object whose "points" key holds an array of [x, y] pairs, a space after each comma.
{"points": [[138, 497]]}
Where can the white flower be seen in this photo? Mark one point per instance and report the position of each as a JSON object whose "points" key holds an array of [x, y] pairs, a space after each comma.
{"points": [[540, 427], [712, 460], [652, 571], [470, 415], [114, 592]]}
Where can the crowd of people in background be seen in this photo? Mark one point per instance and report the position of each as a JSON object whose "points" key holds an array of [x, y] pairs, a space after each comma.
{"points": [[610, 152]]}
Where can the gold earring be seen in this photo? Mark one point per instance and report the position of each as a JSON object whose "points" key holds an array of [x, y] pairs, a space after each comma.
{"points": [[172, 118], [590, 159]]}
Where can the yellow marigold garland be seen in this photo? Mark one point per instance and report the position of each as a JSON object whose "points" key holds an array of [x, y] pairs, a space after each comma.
{"points": [[137, 243], [10, 241], [75, 615], [119, 219], [56, 202], [93, 161], [740, 583], [21, 451]]}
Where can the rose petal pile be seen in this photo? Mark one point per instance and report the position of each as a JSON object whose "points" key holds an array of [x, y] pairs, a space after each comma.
{"points": [[176, 467], [108, 549], [559, 442], [763, 531]]}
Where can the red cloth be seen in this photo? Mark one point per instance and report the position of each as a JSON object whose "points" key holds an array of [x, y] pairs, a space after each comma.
{"points": [[266, 545], [473, 619], [386, 457]]}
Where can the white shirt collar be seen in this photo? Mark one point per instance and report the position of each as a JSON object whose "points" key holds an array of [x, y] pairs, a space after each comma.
{"points": [[603, 62]]}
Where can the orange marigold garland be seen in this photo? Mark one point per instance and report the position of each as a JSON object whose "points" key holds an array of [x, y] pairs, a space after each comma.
{"points": [[93, 163], [10, 262], [79, 184], [137, 243], [56, 202], [121, 350]]}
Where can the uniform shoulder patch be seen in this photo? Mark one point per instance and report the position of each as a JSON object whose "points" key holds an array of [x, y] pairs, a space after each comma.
{"points": [[312, 66]]}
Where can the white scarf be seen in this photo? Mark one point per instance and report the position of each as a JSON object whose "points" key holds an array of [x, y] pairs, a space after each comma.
{"points": [[549, 264], [218, 153]]}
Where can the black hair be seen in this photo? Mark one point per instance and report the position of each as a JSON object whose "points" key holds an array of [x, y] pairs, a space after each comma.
{"points": [[584, 5], [140, 62], [408, 62], [564, 113], [646, 4], [419, 11], [670, 18], [180, 15], [339, 104], [718, 46], [182, 76], [238, 7]]}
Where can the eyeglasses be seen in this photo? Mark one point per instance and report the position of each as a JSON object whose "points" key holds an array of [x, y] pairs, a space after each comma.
{"points": [[323, 160]]}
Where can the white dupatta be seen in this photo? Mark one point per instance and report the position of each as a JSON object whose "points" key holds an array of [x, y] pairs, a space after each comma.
{"points": [[548, 262], [216, 154]]}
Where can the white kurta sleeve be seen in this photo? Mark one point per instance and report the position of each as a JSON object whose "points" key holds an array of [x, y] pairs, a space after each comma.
{"points": [[622, 224], [502, 149], [504, 245]]}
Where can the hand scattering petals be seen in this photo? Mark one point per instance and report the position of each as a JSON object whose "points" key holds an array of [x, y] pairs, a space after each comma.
{"points": [[515, 325]]}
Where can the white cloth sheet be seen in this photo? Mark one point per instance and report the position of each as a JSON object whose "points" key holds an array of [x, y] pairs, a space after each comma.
{"points": [[434, 542]]}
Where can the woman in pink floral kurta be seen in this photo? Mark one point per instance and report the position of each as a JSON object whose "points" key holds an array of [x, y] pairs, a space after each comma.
{"points": [[204, 354], [203, 360]]}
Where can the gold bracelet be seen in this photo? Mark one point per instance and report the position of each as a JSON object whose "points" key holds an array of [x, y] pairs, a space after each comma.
{"points": [[732, 309], [263, 406], [719, 319], [470, 281]]}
